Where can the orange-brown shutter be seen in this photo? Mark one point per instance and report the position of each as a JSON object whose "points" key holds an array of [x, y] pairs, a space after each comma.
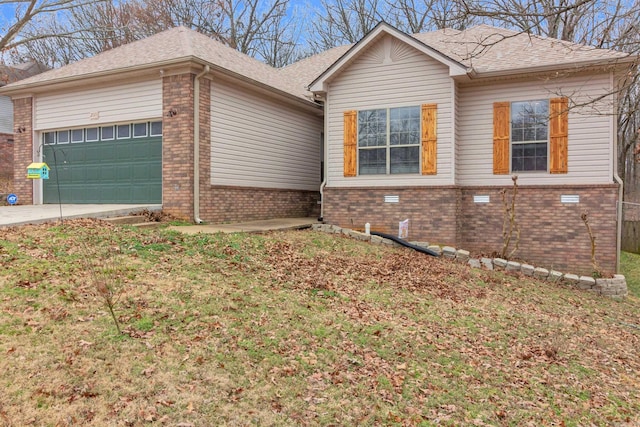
{"points": [[501, 130], [350, 142], [429, 139], [558, 135]]}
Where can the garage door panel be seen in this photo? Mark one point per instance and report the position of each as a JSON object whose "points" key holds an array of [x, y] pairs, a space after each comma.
{"points": [[115, 171]]}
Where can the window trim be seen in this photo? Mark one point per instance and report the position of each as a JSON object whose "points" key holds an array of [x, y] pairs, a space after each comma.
{"points": [[44, 138], [62, 132], [76, 141], [86, 134], [531, 142], [113, 135], [146, 130], [118, 131], [388, 146], [151, 128]]}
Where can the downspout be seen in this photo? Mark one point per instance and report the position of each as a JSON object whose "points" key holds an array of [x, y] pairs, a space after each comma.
{"points": [[196, 145], [616, 177], [325, 155]]}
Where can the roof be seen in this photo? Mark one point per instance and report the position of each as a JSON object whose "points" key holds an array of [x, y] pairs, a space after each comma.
{"points": [[172, 46], [488, 49], [483, 50], [13, 73]]}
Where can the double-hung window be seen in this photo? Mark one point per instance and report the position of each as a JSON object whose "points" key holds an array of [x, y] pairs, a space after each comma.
{"points": [[529, 135], [389, 141]]}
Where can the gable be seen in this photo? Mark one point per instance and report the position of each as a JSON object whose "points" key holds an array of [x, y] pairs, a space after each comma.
{"points": [[395, 45]]}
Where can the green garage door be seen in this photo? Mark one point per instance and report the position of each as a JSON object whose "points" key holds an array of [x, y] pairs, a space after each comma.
{"points": [[104, 165]]}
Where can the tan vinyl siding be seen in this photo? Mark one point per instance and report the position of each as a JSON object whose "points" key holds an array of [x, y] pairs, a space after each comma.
{"points": [[121, 103], [6, 115], [258, 142], [590, 154], [390, 74]]}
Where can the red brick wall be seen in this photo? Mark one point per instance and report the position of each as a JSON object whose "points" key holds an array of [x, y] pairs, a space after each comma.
{"points": [[552, 234], [6, 156], [232, 204], [432, 211], [23, 149], [177, 145]]}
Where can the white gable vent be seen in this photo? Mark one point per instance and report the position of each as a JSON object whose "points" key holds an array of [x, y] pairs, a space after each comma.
{"points": [[391, 199]]}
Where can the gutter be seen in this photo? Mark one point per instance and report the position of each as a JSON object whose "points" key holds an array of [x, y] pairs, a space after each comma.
{"points": [[196, 145]]}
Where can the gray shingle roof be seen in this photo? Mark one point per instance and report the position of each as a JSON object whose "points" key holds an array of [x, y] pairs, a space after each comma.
{"points": [[486, 49]]}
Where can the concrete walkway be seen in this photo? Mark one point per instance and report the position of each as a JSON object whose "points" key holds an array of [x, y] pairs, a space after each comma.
{"points": [[259, 226], [36, 214]]}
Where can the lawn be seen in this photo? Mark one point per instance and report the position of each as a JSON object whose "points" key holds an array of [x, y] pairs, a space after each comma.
{"points": [[296, 328]]}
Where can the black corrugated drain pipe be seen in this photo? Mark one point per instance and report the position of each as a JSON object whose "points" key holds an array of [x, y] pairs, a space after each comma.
{"points": [[405, 243]]}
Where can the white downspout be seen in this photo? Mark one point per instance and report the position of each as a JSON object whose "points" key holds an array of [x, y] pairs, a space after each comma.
{"points": [[616, 177], [196, 145], [325, 155]]}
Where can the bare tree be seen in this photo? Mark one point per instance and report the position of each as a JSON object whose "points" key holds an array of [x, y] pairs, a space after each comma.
{"points": [[21, 13], [340, 22], [265, 30]]}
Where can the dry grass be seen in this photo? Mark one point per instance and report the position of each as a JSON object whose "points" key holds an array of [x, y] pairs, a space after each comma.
{"points": [[297, 328]]}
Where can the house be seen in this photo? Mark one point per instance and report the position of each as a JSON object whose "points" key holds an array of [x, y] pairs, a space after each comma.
{"points": [[10, 74], [432, 127], [175, 119], [429, 127]]}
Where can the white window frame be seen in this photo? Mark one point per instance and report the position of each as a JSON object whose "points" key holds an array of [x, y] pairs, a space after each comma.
{"points": [[118, 131], [44, 138], [151, 128], [86, 134], [76, 141], [146, 130], [529, 142], [63, 133], [388, 146], [113, 133]]}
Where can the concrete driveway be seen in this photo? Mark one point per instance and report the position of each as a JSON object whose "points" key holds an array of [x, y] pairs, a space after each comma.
{"points": [[35, 214]]}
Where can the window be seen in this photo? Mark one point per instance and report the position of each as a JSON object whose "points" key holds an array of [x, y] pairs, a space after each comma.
{"points": [[107, 133], [156, 129], [63, 137], [389, 141], [77, 135], [92, 134], [49, 138], [139, 130], [529, 135], [124, 131]]}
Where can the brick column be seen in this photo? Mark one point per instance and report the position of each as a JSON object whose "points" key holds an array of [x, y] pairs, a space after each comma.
{"points": [[22, 149], [177, 145], [6, 156]]}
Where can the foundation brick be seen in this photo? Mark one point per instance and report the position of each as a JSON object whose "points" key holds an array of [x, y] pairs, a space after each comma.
{"points": [[552, 234]]}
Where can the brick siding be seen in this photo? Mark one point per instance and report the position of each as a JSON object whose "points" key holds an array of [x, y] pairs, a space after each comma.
{"points": [[552, 234], [177, 145], [231, 204], [432, 211], [6, 156], [23, 150]]}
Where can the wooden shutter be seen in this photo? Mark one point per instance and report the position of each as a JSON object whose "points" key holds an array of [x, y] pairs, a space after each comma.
{"points": [[501, 131], [429, 139], [350, 142], [558, 135]]}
